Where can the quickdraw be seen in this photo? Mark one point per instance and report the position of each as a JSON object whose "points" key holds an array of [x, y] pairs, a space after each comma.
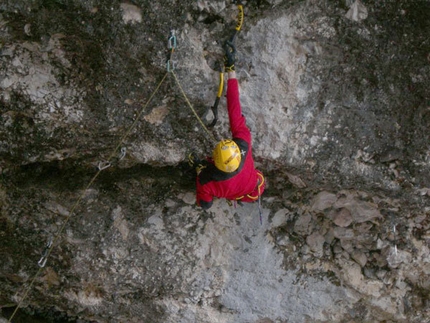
{"points": [[106, 164], [240, 17], [171, 45], [45, 252], [101, 166], [214, 108]]}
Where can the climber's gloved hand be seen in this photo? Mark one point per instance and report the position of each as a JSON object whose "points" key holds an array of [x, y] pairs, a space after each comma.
{"points": [[193, 159], [230, 56]]}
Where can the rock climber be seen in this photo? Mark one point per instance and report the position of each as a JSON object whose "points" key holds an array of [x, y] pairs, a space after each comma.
{"points": [[230, 172]]}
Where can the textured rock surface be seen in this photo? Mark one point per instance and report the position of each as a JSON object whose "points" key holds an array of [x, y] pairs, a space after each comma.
{"points": [[337, 98]]}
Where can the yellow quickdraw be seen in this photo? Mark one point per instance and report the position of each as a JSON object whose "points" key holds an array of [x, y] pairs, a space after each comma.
{"points": [[240, 17]]}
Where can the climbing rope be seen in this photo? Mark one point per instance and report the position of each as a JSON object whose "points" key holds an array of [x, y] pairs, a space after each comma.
{"points": [[172, 43], [211, 136]]}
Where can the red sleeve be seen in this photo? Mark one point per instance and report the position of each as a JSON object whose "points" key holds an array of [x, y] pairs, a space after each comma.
{"points": [[237, 120], [203, 197]]}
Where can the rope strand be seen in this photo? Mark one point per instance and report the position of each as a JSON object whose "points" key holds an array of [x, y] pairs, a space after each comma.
{"points": [[211, 136], [107, 164], [126, 134]]}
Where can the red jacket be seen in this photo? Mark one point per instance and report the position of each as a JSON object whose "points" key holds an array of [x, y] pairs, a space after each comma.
{"points": [[244, 184]]}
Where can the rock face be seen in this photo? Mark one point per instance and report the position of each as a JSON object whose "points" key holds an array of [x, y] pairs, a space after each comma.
{"points": [[337, 99]]}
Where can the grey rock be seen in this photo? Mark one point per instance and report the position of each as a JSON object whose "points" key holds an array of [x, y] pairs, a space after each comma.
{"points": [[395, 257], [337, 249], [323, 200], [343, 218], [343, 233], [329, 236], [296, 181], [280, 217], [357, 12], [316, 242], [303, 224], [347, 245], [323, 103], [361, 211], [359, 257]]}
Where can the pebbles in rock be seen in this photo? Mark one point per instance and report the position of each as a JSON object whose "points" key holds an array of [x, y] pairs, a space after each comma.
{"points": [[323, 200], [343, 218], [131, 14], [316, 242]]}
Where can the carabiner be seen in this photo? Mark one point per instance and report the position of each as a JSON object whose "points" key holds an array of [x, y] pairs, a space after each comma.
{"points": [[103, 165], [170, 66], [42, 262], [171, 42], [171, 45], [44, 257], [240, 16], [123, 153]]}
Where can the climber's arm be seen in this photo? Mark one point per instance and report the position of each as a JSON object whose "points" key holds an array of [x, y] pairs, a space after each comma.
{"points": [[203, 196], [237, 120]]}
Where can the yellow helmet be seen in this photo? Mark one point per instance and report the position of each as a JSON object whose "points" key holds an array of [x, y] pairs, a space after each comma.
{"points": [[226, 156]]}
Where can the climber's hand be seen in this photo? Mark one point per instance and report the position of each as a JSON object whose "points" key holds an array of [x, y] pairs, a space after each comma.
{"points": [[230, 56]]}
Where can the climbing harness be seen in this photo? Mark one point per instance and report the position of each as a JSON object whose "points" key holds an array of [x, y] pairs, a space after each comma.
{"points": [[219, 68], [260, 183]]}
